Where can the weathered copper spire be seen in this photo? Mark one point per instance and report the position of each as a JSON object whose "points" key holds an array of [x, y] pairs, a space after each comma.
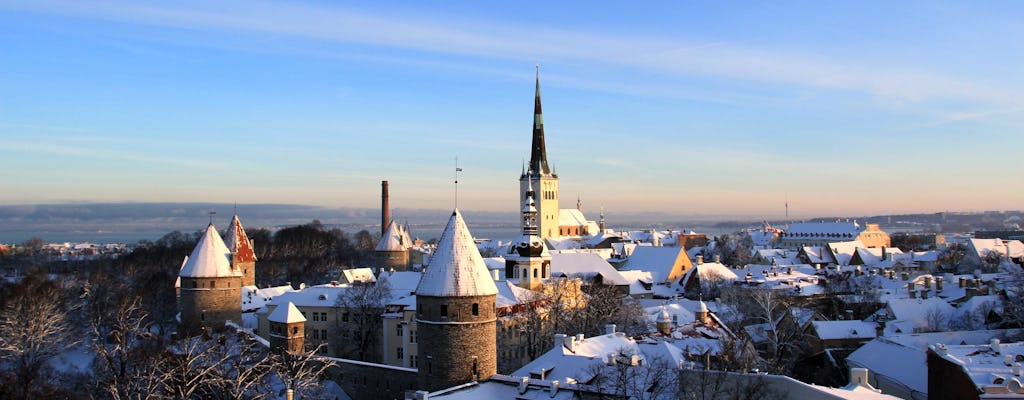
{"points": [[538, 155]]}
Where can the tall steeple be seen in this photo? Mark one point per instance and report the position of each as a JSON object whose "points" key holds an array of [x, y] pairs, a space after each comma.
{"points": [[538, 154]]}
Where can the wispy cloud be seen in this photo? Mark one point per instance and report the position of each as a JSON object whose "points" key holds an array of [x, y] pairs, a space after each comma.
{"points": [[495, 40], [21, 146]]}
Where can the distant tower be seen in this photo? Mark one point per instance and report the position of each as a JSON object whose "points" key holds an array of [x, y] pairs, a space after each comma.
{"points": [[455, 306], [243, 258], [393, 248], [528, 261], [287, 329], [211, 291], [601, 224], [539, 172]]}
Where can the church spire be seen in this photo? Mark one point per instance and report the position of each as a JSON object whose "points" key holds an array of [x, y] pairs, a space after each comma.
{"points": [[538, 154]]}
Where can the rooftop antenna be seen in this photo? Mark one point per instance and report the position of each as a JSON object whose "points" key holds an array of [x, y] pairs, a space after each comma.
{"points": [[236, 208], [212, 213], [457, 170], [787, 206]]}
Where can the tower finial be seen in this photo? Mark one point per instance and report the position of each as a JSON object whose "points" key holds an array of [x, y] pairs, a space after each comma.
{"points": [[457, 170], [212, 213]]}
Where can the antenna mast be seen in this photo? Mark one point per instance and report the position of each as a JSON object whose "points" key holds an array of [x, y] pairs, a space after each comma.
{"points": [[457, 170]]}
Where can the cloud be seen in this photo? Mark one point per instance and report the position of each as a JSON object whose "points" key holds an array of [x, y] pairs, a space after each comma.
{"points": [[494, 40], [109, 154]]}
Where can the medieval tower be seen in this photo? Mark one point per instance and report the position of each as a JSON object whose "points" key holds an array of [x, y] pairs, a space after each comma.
{"points": [[243, 258], [528, 262], [540, 174], [455, 305], [287, 329], [211, 290]]}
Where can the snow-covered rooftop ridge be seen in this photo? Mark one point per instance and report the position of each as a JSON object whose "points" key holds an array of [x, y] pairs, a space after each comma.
{"points": [[210, 258], [456, 268], [286, 314], [238, 242]]}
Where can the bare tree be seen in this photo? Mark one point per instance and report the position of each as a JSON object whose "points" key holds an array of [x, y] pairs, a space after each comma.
{"points": [[721, 385], [33, 329], [935, 320], [629, 376], [363, 303], [126, 353], [301, 372]]}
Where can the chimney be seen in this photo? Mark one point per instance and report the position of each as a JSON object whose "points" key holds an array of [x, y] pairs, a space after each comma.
{"points": [[554, 388], [559, 339], [924, 294], [570, 343], [496, 274], [700, 259], [928, 282], [385, 207], [718, 259], [938, 284], [1016, 369], [579, 338], [609, 329], [880, 330], [883, 253], [524, 383], [963, 281], [859, 377], [995, 346]]}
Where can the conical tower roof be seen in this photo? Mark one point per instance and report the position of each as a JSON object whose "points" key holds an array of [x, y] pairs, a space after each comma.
{"points": [[392, 239], [210, 258], [456, 268], [286, 314], [238, 242]]}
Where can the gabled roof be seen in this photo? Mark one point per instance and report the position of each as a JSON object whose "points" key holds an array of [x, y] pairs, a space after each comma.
{"points": [[664, 263], [585, 266], [843, 251], [238, 242], [210, 258], [286, 314], [456, 268]]}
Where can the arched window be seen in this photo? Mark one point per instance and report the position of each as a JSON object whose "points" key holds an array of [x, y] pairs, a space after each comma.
{"points": [[534, 273]]}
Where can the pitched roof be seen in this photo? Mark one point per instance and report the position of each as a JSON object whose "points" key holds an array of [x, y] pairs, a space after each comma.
{"points": [[238, 242], [210, 258], [286, 314], [661, 261], [456, 268]]}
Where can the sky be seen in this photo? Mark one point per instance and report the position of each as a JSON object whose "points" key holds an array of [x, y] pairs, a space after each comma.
{"points": [[724, 108]]}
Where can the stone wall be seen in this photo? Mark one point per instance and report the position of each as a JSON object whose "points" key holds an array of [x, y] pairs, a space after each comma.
{"points": [[363, 380], [209, 302], [459, 348]]}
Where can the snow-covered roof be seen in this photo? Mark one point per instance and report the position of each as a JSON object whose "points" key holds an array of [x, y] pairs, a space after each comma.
{"points": [[510, 295], [998, 247], [254, 298], [238, 242], [402, 282], [817, 255], [456, 268], [843, 251], [363, 275], [831, 330], [210, 258], [571, 217], [391, 240], [562, 364], [286, 314], [985, 365], [585, 266], [660, 261]]}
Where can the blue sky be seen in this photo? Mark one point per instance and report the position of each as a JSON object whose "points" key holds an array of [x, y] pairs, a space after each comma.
{"points": [[685, 107]]}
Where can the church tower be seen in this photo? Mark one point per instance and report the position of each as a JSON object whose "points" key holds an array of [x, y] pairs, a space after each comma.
{"points": [[528, 262], [540, 173], [243, 258], [211, 291], [455, 306]]}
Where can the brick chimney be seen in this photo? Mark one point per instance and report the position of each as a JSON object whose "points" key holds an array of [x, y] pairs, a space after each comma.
{"points": [[385, 207]]}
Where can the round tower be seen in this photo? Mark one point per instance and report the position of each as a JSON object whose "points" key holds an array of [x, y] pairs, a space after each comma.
{"points": [[393, 249], [243, 258], [455, 305], [287, 329], [211, 291]]}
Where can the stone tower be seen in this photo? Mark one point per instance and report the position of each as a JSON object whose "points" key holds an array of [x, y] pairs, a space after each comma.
{"points": [[540, 174], [393, 248], [211, 291], [455, 305], [243, 258], [287, 329], [528, 262]]}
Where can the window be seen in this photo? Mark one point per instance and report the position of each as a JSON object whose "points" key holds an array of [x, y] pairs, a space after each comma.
{"points": [[401, 353], [444, 310], [323, 316], [323, 334], [412, 336], [295, 330], [316, 334], [476, 309], [195, 284], [344, 317], [398, 330], [413, 361], [212, 285], [534, 273], [316, 316], [202, 316]]}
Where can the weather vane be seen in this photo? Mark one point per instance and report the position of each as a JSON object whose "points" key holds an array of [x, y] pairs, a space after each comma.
{"points": [[457, 170]]}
